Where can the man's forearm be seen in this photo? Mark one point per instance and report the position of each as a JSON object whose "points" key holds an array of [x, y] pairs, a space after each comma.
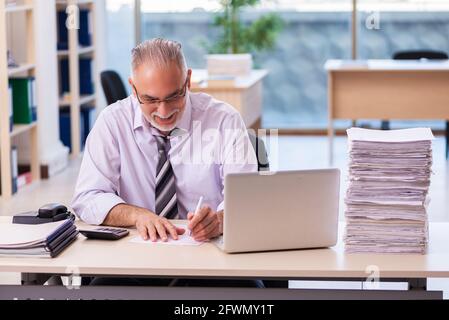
{"points": [[124, 215]]}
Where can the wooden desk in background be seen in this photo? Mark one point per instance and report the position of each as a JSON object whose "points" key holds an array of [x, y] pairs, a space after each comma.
{"points": [[125, 259], [245, 95], [387, 90]]}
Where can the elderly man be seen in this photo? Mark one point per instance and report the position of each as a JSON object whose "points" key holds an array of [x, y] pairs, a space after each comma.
{"points": [[151, 156]]}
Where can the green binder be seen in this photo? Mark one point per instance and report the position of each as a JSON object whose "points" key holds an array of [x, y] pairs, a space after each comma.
{"points": [[24, 102]]}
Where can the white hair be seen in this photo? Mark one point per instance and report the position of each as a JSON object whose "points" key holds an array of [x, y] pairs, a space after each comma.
{"points": [[160, 53]]}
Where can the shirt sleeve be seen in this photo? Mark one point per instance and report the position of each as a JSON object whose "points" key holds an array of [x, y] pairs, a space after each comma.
{"points": [[238, 154], [96, 191]]}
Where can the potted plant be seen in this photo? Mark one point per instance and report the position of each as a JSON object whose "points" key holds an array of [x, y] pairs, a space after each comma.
{"points": [[231, 53]]}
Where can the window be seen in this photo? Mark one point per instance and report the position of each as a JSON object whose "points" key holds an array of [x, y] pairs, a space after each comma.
{"points": [[120, 36], [295, 92]]}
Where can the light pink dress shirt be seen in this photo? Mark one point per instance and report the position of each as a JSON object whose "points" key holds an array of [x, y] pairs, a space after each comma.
{"points": [[121, 156]]}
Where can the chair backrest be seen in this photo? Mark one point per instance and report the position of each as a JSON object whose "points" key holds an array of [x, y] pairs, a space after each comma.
{"points": [[420, 54], [261, 152], [113, 87]]}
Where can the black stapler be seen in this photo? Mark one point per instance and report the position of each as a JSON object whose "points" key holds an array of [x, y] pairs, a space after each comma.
{"points": [[49, 213]]}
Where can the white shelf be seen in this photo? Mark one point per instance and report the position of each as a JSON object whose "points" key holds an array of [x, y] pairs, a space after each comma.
{"points": [[78, 2], [81, 51], [20, 69], [83, 100], [87, 99], [18, 8], [21, 128], [6, 14]]}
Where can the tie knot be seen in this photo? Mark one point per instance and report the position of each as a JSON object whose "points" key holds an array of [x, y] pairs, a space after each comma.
{"points": [[162, 142]]}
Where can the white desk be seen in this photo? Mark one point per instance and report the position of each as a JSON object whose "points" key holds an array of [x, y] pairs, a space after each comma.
{"points": [[387, 90], [122, 258]]}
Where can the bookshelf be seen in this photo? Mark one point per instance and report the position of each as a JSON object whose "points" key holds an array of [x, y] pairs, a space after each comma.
{"points": [[22, 9], [74, 52]]}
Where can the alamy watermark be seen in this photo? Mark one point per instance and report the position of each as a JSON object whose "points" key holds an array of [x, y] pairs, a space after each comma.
{"points": [[372, 282], [212, 146], [372, 21], [73, 17], [73, 278]]}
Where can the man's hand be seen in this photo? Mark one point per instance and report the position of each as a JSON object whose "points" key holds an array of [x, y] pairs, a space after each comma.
{"points": [[206, 224], [152, 226], [148, 224]]}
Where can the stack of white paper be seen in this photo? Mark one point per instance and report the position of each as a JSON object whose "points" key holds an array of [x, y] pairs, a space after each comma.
{"points": [[229, 64], [387, 197]]}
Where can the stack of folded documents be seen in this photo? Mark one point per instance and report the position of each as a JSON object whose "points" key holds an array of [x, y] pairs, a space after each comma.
{"points": [[387, 197], [42, 240]]}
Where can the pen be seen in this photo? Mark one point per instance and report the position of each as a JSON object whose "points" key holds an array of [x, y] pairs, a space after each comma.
{"points": [[198, 207]]}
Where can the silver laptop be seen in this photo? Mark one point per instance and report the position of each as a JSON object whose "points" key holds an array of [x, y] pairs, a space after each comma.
{"points": [[280, 211]]}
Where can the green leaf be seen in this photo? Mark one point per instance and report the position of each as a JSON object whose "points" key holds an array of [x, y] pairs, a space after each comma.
{"points": [[237, 38]]}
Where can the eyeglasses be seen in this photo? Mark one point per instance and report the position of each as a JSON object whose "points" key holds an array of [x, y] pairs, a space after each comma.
{"points": [[176, 97]]}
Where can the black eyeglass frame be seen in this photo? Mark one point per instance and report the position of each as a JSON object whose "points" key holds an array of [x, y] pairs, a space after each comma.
{"points": [[169, 100]]}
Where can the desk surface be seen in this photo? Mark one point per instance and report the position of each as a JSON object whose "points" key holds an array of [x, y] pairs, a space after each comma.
{"points": [[242, 82], [387, 65], [96, 257]]}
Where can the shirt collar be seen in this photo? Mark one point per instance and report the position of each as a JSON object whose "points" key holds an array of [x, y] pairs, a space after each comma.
{"points": [[138, 116], [184, 125]]}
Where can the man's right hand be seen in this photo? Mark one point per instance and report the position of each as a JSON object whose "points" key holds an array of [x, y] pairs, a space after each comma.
{"points": [[151, 226]]}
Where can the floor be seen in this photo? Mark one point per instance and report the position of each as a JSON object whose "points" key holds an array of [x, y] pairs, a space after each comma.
{"points": [[293, 153]]}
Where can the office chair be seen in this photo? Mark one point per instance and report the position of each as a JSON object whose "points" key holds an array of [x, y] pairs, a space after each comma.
{"points": [[113, 87], [261, 152], [418, 55], [114, 90]]}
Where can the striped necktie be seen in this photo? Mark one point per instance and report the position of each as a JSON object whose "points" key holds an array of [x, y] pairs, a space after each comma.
{"points": [[166, 200]]}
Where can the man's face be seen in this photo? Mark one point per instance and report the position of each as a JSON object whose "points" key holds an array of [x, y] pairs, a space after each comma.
{"points": [[161, 92]]}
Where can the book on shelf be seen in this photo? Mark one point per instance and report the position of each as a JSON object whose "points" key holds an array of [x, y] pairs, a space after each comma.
{"points": [[86, 120], [63, 36], [84, 31], [86, 81], [86, 28], [11, 61], [14, 169], [10, 107], [85, 73], [24, 177], [24, 100], [23, 180]]}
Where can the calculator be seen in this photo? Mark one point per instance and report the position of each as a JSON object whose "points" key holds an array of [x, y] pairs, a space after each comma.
{"points": [[105, 233]]}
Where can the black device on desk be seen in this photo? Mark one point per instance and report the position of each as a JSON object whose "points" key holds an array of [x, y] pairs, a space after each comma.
{"points": [[104, 233], [48, 213]]}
